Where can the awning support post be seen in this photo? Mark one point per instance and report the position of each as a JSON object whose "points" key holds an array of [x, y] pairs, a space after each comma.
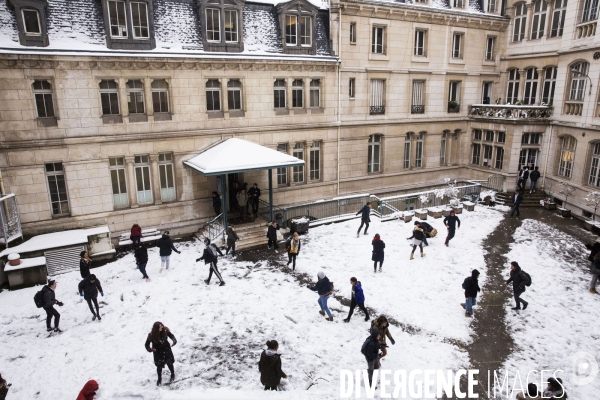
{"points": [[224, 203], [270, 195]]}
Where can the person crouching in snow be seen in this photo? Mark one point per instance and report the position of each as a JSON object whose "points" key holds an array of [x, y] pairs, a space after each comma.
{"points": [[324, 288], [89, 390], [471, 286], [269, 366], [358, 298], [89, 289], [210, 257], [382, 325], [161, 348], [293, 249], [377, 257], [417, 240]]}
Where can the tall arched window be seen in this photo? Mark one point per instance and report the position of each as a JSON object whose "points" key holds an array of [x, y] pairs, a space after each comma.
{"points": [[558, 18], [374, 156], [512, 92], [519, 21], [578, 81], [531, 85], [419, 150], [590, 10], [594, 179], [539, 19], [567, 154], [549, 85]]}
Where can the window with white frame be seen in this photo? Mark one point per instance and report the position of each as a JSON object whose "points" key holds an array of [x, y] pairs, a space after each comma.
{"points": [[531, 138], [476, 154], [490, 48], [160, 95], [549, 85], [31, 21], [458, 4], [419, 151], [558, 18], [297, 93], [491, 6], [487, 155], [519, 22], [374, 156], [298, 170], [477, 134], [594, 178], [42, 92], [213, 25], [109, 97], [567, 154], [352, 88], [377, 100], [117, 178], [234, 95], [539, 19], [57, 188], [378, 40], [418, 101], [443, 148], [118, 19], [282, 178], [213, 95], [315, 161], [486, 92], [139, 19], [291, 30], [353, 32], [457, 45], [499, 158], [231, 26], [531, 86], [512, 90], [578, 73], [305, 31], [590, 10], [167, 176], [142, 179], [407, 148], [454, 97], [279, 93], [420, 43], [135, 96], [315, 93]]}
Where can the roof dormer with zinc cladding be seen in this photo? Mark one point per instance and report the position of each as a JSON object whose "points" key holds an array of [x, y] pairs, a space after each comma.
{"points": [[222, 25], [129, 24], [31, 22], [298, 19]]}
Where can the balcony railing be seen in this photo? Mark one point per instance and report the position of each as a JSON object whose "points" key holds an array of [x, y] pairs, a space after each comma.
{"points": [[454, 108], [497, 111], [417, 109], [586, 29], [377, 110], [573, 107]]}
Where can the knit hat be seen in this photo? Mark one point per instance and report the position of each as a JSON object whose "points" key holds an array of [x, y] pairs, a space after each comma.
{"points": [[474, 273], [374, 333], [321, 274], [452, 212]]}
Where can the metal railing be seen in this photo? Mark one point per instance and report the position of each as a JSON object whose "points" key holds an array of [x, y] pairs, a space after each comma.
{"points": [[377, 110], [417, 109], [214, 228], [508, 111]]}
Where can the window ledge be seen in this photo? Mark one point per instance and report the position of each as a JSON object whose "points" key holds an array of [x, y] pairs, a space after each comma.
{"points": [[459, 61], [317, 110], [47, 122], [137, 118], [299, 111], [163, 117], [282, 111], [112, 119], [237, 113], [420, 59], [60, 216], [491, 63], [378, 57], [215, 114]]}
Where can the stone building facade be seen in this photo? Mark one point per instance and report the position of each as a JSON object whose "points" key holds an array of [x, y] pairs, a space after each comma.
{"points": [[102, 101]]}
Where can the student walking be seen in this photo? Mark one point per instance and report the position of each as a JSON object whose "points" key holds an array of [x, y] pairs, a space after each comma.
{"points": [[594, 259], [85, 263], [165, 244], [382, 325], [136, 235], [254, 195], [293, 249], [357, 299], [519, 281], [417, 240], [161, 348], [370, 349], [378, 253], [49, 302], [272, 235], [269, 366], [242, 200], [89, 390], [232, 237], [517, 200], [141, 260], [534, 176], [216, 202], [471, 286], [89, 289], [210, 256], [365, 218], [450, 221], [523, 176], [324, 288]]}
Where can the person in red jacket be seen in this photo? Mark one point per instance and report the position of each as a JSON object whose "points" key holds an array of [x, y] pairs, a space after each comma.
{"points": [[136, 235], [89, 391]]}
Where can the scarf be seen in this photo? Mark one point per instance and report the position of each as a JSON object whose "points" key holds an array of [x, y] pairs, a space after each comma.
{"points": [[294, 245]]}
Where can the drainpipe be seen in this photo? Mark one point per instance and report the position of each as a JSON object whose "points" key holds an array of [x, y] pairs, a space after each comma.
{"points": [[2, 191], [339, 108], [547, 157]]}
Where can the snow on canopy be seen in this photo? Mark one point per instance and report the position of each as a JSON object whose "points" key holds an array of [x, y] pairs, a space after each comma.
{"points": [[235, 154]]}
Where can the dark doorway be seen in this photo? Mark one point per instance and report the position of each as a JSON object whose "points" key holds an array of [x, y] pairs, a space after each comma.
{"points": [[234, 183]]}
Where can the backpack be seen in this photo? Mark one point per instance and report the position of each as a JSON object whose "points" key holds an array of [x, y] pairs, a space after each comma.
{"points": [[526, 278], [39, 299], [213, 250], [464, 285], [363, 349]]}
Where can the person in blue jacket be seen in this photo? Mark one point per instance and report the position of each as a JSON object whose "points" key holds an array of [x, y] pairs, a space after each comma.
{"points": [[364, 218], [358, 299], [324, 288]]}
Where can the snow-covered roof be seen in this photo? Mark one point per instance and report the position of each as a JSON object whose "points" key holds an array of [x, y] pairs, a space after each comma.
{"points": [[238, 155], [56, 239]]}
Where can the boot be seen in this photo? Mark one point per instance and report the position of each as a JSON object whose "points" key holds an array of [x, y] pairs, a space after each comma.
{"points": [[159, 381], [346, 319], [94, 317], [468, 315], [172, 378], [206, 281], [322, 312], [412, 255], [593, 290], [463, 306], [422, 254], [222, 283], [99, 317], [330, 319], [525, 305]]}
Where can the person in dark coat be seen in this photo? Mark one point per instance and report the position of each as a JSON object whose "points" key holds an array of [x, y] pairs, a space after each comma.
{"points": [[253, 199], [518, 280], [523, 176], [450, 222], [141, 260], [165, 244], [210, 257], [423, 225], [378, 253], [161, 348], [85, 263], [136, 235], [365, 218], [216, 201], [357, 299], [471, 286], [534, 176], [89, 289], [532, 393], [49, 302], [232, 237], [594, 259], [89, 390], [371, 353], [323, 288], [3, 388], [417, 240], [242, 200], [382, 325], [235, 188], [517, 200], [554, 390], [269, 366], [292, 247], [272, 235]]}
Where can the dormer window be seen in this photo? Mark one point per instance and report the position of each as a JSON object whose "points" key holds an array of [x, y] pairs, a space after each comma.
{"points": [[128, 24], [31, 22], [298, 19], [222, 25], [118, 21]]}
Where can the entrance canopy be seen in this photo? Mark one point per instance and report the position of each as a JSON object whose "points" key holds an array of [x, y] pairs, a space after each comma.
{"points": [[237, 155]]}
